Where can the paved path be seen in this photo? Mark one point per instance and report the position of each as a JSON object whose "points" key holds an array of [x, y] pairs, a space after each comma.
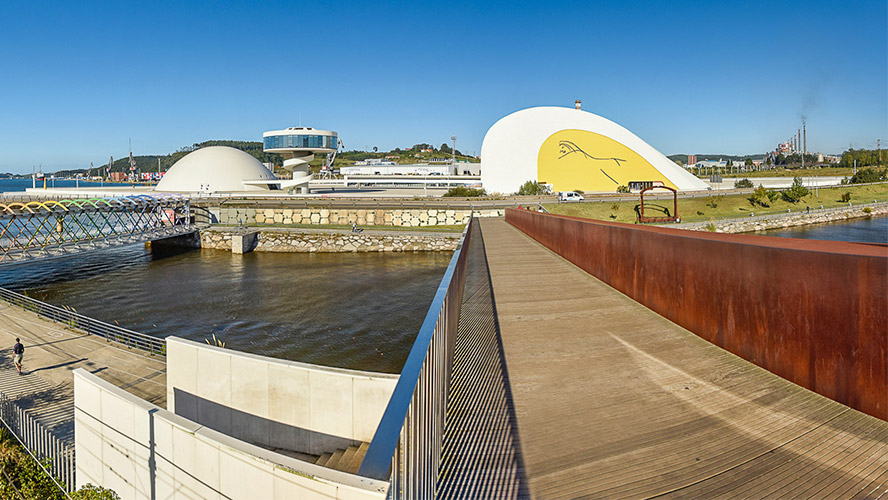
{"points": [[614, 401], [52, 352]]}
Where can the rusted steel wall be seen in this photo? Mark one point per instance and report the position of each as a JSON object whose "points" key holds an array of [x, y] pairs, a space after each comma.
{"points": [[813, 312]]}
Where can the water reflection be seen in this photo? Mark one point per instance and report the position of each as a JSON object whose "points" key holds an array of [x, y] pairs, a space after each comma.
{"points": [[351, 310]]}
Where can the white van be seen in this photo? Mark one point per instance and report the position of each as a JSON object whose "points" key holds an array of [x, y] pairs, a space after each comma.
{"points": [[570, 196]]}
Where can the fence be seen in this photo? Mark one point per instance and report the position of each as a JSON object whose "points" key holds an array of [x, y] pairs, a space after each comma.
{"points": [[111, 333], [39, 442], [406, 449]]}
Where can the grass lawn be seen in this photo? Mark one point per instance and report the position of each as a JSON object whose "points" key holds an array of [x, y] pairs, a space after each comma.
{"points": [[718, 206]]}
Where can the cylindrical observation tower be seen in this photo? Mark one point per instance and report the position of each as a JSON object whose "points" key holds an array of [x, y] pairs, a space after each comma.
{"points": [[298, 145]]}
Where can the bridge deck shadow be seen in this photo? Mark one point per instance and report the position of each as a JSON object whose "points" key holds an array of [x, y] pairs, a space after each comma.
{"points": [[612, 400]]}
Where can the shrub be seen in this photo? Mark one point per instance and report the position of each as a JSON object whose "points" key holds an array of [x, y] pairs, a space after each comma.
{"points": [[464, 192], [533, 188], [869, 175], [762, 196], [867, 210], [712, 201], [845, 197], [796, 192], [622, 188], [743, 183], [614, 209]]}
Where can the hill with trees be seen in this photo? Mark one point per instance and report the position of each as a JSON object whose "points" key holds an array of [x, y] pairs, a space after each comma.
{"points": [[418, 153]]}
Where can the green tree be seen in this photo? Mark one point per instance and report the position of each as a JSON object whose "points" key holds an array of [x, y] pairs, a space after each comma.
{"points": [[795, 192], [743, 183], [869, 175], [533, 188], [762, 197]]}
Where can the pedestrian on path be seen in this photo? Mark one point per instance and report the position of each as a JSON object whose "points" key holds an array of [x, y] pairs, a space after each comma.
{"points": [[18, 352]]}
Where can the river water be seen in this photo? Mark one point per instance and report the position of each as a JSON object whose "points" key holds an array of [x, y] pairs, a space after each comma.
{"points": [[355, 310], [866, 230]]}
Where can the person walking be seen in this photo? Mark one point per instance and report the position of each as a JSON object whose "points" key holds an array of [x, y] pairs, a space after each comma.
{"points": [[18, 352]]}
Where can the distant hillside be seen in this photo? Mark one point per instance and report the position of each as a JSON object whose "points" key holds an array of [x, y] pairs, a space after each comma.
{"points": [[149, 163], [684, 158]]}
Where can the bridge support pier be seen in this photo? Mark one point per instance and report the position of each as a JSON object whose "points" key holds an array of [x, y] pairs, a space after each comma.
{"points": [[244, 242]]}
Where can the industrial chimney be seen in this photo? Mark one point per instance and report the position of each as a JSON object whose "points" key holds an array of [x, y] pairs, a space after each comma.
{"points": [[577, 104]]}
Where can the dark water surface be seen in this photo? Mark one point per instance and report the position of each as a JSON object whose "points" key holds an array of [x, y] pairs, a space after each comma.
{"points": [[867, 230], [356, 310]]}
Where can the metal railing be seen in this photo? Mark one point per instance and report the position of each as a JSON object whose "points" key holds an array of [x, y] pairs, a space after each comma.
{"points": [[111, 333], [406, 449], [40, 443], [42, 229]]}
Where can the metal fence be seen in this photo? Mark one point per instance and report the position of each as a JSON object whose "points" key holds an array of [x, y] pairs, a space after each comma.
{"points": [[111, 333], [406, 449], [52, 452]]}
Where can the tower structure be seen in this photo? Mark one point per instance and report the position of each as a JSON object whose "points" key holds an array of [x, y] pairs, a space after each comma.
{"points": [[298, 145]]}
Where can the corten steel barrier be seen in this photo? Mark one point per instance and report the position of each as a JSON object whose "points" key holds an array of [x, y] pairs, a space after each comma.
{"points": [[111, 333], [406, 448], [43, 229], [40, 443], [813, 312]]}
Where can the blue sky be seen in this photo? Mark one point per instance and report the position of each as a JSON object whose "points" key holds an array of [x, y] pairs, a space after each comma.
{"points": [[77, 80]]}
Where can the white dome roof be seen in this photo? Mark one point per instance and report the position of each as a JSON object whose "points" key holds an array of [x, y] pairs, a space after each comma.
{"points": [[214, 169]]}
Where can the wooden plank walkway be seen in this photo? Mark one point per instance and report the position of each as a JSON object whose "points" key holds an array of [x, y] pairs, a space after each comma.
{"points": [[52, 352], [614, 401]]}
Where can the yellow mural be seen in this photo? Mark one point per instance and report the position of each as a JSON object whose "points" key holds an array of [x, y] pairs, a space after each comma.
{"points": [[579, 159]]}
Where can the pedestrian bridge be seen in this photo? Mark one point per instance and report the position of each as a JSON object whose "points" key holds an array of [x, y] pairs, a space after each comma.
{"points": [[560, 358], [42, 229]]}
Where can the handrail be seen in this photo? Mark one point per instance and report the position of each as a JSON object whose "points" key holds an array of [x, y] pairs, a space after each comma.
{"points": [[111, 333], [44, 447], [406, 447]]}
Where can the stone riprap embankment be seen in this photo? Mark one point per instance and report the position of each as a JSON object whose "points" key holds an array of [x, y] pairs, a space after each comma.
{"points": [[779, 221], [320, 240], [398, 217]]}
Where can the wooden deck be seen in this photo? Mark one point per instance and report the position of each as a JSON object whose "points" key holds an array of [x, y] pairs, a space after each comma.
{"points": [[613, 401]]}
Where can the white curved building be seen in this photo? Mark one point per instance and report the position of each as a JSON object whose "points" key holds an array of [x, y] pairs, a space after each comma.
{"points": [[298, 145], [572, 149], [217, 169]]}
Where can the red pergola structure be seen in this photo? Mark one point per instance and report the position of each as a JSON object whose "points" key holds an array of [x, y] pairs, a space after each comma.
{"points": [[674, 217]]}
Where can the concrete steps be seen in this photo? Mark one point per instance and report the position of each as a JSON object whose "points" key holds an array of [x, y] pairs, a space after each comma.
{"points": [[347, 460]]}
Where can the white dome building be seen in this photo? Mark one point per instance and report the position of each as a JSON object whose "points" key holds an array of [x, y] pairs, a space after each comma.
{"points": [[217, 169], [573, 149]]}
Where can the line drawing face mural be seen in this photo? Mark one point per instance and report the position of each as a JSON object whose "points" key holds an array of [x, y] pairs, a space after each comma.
{"points": [[581, 159]]}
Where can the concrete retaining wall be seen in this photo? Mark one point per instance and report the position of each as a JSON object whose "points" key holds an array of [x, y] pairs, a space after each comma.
{"points": [[813, 312], [780, 221], [411, 217], [275, 403], [142, 451], [322, 241]]}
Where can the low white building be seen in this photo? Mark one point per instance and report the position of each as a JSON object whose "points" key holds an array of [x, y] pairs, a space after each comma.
{"points": [[412, 169]]}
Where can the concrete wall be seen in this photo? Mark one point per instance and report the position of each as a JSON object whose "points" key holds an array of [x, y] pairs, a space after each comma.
{"points": [[318, 240], [411, 217], [275, 403], [145, 452], [813, 312]]}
